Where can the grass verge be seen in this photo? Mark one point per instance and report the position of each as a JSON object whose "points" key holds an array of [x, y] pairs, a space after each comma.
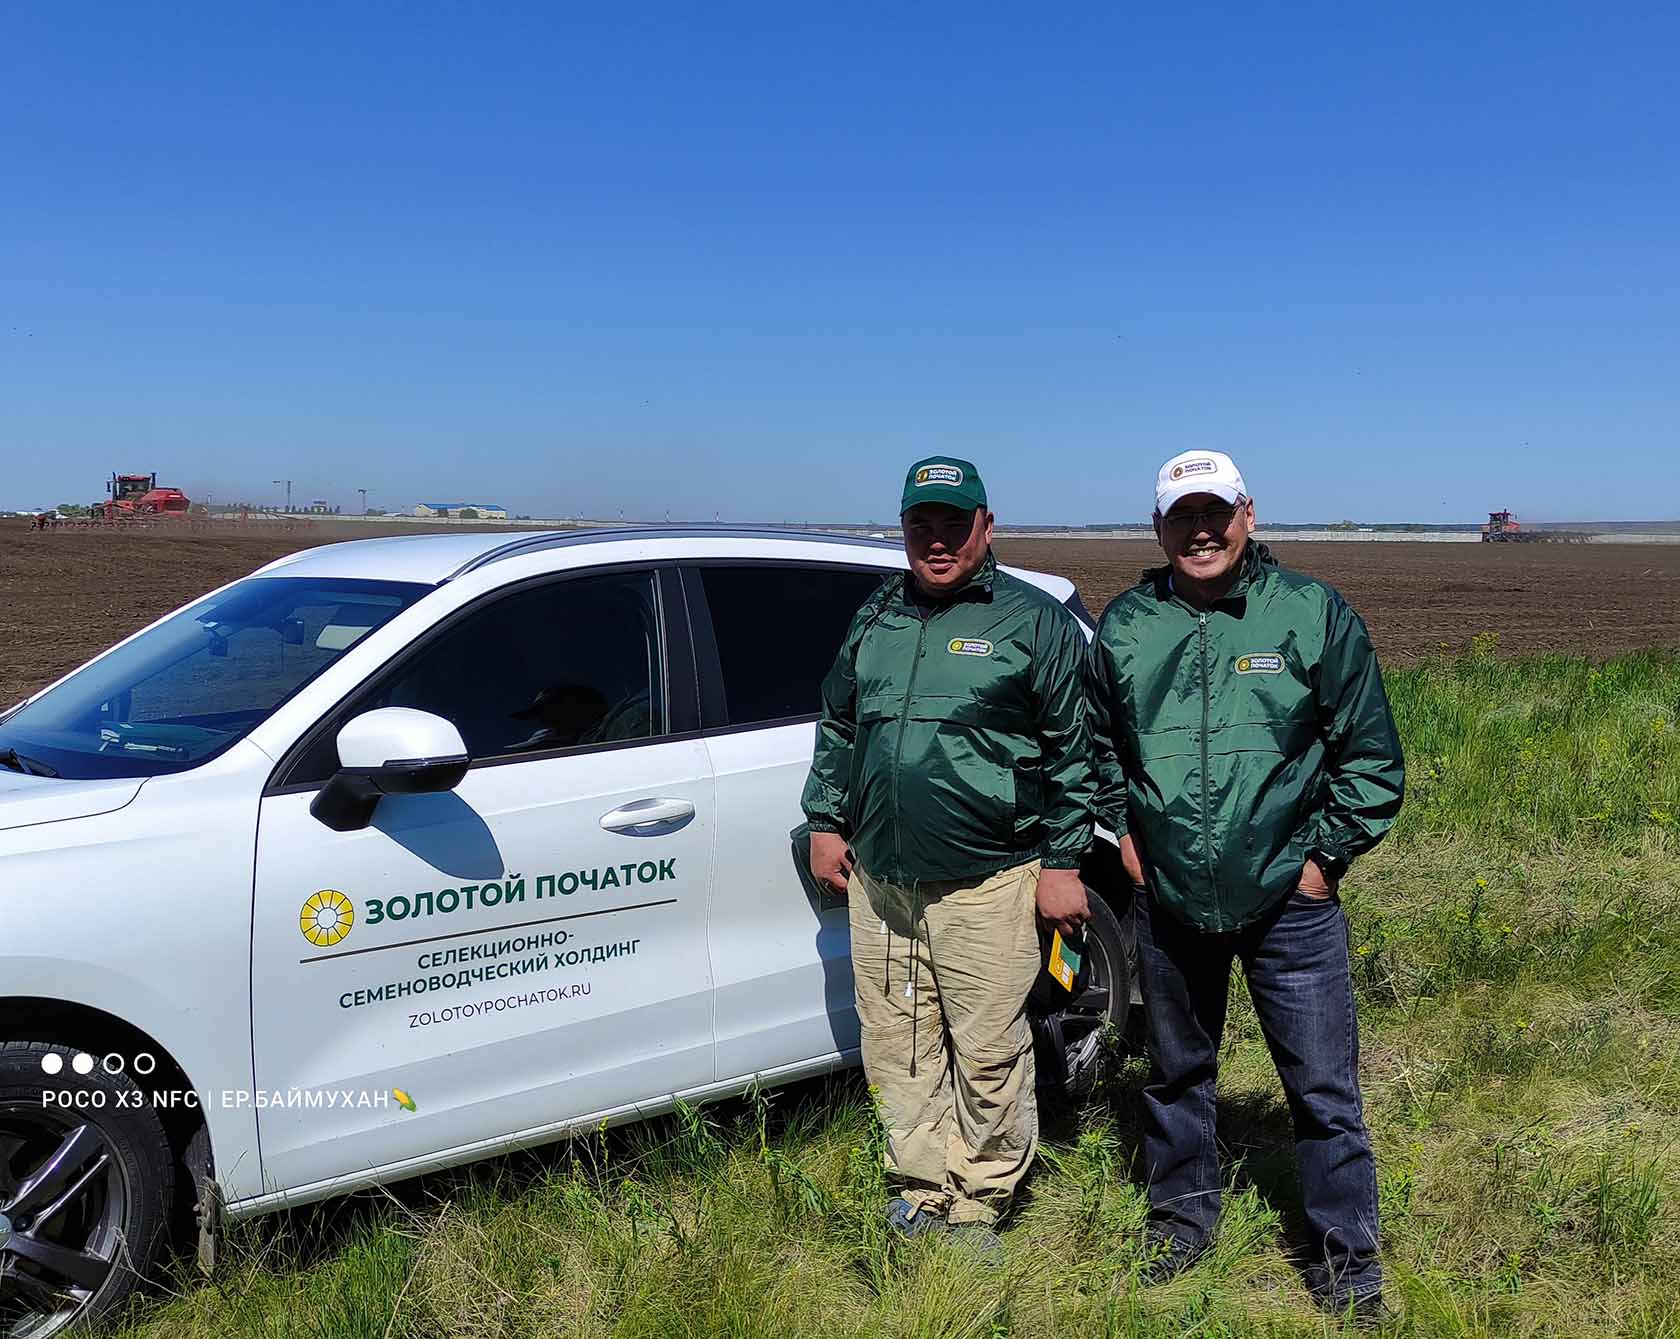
{"points": [[1516, 948]]}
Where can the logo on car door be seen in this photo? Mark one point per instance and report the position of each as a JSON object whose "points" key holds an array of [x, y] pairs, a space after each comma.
{"points": [[326, 918]]}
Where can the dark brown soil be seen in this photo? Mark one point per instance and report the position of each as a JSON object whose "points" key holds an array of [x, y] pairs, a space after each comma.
{"points": [[1425, 599], [67, 594]]}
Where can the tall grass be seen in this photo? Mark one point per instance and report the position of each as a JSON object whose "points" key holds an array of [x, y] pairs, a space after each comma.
{"points": [[1542, 753], [1516, 949]]}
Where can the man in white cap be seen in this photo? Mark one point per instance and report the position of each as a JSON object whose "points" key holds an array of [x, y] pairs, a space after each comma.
{"points": [[1246, 754]]}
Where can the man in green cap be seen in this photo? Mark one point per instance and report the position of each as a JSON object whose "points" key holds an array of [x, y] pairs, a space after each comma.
{"points": [[949, 799]]}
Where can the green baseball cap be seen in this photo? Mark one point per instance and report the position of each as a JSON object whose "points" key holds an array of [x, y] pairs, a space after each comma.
{"points": [[945, 479]]}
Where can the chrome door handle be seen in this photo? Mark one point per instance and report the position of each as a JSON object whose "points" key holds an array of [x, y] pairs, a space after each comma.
{"points": [[652, 817]]}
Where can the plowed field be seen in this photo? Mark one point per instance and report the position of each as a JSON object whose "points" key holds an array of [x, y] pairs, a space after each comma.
{"points": [[1424, 599], [69, 593]]}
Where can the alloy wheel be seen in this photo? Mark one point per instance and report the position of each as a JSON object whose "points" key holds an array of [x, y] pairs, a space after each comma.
{"points": [[63, 1201]]}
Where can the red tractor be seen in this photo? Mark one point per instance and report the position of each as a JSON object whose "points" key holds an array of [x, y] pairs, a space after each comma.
{"points": [[1502, 528], [137, 496]]}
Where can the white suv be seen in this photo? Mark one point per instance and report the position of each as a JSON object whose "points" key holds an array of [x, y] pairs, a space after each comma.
{"points": [[403, 852]]}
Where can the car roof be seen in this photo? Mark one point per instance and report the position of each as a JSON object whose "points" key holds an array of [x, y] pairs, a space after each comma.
{"points": [[433, 559]]}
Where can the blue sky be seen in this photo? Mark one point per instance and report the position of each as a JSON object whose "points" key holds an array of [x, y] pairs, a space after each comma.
{"points": [[1404, 262]]}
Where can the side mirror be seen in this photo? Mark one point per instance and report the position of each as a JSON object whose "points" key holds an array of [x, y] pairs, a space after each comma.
{"points": [[389, 751]]}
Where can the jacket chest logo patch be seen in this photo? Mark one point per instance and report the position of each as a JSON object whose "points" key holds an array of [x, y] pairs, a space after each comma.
{"points": [[968, 646], [1260, 662]]}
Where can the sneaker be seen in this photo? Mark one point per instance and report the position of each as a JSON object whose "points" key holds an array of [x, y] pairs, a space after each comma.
{"points": [[906, 1219], [978, 1239], [1166, 1257], [1368, 1312]]}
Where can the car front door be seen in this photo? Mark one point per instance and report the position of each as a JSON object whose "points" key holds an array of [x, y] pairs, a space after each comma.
{"points": [[765, 637], [523, 951]]}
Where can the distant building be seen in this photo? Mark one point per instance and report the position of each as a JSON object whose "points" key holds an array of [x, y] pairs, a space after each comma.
{"points": [[477, 511]]}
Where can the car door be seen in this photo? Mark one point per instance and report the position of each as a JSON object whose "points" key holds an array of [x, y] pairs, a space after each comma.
{"points": [[765, 636], [522, 951]]}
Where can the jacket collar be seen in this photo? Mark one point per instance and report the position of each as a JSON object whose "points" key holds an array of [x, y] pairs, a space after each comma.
{"points": [[1257, 561]]}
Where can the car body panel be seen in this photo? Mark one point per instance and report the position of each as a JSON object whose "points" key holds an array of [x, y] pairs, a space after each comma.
{"points": [[180, 972], [27, 800], [623, 1027]]}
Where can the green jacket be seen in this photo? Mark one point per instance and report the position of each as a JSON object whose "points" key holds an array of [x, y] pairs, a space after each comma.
{"points": [[955, 747], [1235, 743]]}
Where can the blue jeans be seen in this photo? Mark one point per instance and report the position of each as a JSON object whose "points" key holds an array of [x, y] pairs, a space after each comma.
{"points": [[1296, 961]]}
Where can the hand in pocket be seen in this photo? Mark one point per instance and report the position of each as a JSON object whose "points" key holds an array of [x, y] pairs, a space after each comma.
{"points": [[1312, 882]]}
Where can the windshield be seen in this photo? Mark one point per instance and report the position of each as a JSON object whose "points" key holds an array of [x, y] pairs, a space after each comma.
{"points": [[200, 681]]}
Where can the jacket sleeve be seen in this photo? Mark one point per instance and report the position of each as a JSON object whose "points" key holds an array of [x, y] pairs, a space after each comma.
{"points": [[1366, 770], [824, 800], [1106, 714], [1067, 782]]}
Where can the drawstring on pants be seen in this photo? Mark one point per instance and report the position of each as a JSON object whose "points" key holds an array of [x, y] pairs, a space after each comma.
{"points": [[913, 972]]}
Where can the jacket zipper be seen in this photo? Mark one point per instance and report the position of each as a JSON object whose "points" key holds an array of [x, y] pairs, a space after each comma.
{"points": [[1207, 809], [898, 745]]}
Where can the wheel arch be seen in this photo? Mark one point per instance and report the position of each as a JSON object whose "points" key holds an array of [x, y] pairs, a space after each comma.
{"points": [[1105, 875], [35, 1018]]}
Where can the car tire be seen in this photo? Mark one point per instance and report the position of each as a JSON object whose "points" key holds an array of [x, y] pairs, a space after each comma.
{"points": [[86, 1184], [1077, 1037]]}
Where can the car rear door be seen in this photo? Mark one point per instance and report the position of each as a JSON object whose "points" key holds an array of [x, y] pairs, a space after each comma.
{"points": [[765, 637], [525, 950]]}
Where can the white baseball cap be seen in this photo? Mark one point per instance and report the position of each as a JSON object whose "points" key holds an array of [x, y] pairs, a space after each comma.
{"points": [[1198, 472]]}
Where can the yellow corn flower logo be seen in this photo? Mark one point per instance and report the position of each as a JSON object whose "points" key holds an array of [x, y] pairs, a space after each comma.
{"points": [[403, 1099], [326, 918]]}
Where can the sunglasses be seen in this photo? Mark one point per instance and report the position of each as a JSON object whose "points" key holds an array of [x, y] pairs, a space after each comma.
{"points": [[1211, 518]]}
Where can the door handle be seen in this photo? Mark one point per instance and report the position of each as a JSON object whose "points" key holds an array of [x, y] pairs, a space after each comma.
{"points": [[652, 817]]}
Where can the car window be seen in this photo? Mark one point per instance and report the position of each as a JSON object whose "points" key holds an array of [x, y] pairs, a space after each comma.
{"points": [[570, 664], [190, 687], [778, 630]]}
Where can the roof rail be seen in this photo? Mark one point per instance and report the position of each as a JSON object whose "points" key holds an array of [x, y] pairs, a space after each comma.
{"points": [[568, 538]]}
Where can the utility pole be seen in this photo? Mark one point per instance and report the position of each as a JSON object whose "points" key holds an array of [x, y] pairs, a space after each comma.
{"points": [[288, 484], [363, 492]]}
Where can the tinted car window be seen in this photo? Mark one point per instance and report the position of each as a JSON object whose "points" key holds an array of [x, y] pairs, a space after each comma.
{"points": [[182, 692], [777, 630], [568, 665]]}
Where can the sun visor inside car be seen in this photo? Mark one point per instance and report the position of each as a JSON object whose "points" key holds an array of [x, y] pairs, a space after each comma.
{"points": [[350, 624]]}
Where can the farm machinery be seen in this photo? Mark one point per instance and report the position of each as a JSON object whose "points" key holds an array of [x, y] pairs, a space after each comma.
{"points": [[1503, 528], [133, 496], [130, 499]]}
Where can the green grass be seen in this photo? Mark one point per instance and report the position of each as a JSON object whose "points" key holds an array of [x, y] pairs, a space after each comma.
{"points": [[1516, 948]]}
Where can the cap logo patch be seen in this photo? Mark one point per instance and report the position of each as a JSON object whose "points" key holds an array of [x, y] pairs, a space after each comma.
{"points": [[968, 646], [1193, 467], [939, 474], [1260, 662]]}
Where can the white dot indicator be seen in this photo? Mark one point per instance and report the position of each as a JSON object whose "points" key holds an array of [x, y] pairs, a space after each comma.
{"points": [[83, 1063], [52, 1062]]}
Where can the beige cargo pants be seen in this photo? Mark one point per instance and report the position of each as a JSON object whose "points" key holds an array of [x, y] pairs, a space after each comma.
{"points": [[942, 972]]}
